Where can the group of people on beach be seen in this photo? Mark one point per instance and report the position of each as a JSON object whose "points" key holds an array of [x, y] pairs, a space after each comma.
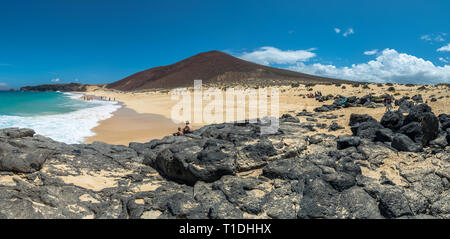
{"points": [[103, 98], [186, 130], [315, 95]]}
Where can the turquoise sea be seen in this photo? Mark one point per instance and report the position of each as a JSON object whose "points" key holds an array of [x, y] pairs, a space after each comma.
{"points": [[39, 103], [61, 116]]}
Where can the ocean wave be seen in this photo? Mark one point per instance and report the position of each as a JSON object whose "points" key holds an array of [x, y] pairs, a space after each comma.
{"points": [[70, 128]]}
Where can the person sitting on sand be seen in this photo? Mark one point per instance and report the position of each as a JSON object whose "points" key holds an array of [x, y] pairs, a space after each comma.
{"points": [[187, 129], [179, 133]]}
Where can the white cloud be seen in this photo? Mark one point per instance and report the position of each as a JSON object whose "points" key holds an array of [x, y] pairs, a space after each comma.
{"points": [[372, 52], [444, 48], [389, 66], [56, 80], [5, 64], [439, 37], [291, 32], [350, 31], [271, 55], [426, 37], [4, 86], [445, 60]]}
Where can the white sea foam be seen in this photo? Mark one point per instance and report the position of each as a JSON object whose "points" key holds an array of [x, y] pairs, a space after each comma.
{"points": [[71, 128]]}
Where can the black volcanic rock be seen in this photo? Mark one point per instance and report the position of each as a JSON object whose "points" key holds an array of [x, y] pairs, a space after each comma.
{"points": [[414, 131], [360, 118], [392, 120], [289, 118], [404, 143], [345, 141], [430, 126], [16, 133], [334, 127], [440, 142], [227, 171], [444, 119], [416, 113], [384, 135]]}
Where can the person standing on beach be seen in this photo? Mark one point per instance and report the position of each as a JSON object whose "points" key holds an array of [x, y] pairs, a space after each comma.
{"points": [[388, 103]]}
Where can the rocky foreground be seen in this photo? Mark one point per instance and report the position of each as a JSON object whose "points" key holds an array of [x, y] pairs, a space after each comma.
{"points": [[396, 168]]}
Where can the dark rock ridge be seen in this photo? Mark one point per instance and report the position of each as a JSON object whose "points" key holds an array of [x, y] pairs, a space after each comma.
{"points": [[340, 102], [57, 87], [230, 171]]}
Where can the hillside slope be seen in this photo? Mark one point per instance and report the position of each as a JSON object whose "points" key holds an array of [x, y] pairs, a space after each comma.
{"points": [[216, 68]]}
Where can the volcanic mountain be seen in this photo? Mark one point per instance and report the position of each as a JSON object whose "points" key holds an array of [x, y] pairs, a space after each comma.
{"points": [[214, 68]]}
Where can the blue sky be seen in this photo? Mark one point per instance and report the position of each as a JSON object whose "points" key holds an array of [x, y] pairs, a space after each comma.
{"points": [[92, 41]]}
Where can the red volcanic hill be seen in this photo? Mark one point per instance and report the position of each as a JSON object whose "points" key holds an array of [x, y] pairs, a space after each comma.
{"points": [[213, 67]]}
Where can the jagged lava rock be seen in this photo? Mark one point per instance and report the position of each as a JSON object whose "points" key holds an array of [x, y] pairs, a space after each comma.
{"points": [[404, 143]]}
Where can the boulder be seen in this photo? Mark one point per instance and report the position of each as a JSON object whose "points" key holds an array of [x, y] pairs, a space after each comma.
{"points": [[444, 119], [416, 113], [340, 180], [292, 169], [393, 203], [323, 108], [192, 161], [384, 135], [392, 120], [366, 130], [289, 118], [335, 126], [359, 204], [15, 133], [404, 143], [305, 113], [414, 131], [345, 141], [430, 126], [23, 162], [405, 106], [320, 200], [360, 118], [367, 99], [417, 98]]}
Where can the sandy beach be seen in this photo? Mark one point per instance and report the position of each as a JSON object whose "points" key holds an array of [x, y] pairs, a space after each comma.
{"points": [[147, 115], [128, 126]]}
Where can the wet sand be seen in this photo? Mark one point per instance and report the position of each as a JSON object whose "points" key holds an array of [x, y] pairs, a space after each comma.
{"points": [[126, 126]]}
